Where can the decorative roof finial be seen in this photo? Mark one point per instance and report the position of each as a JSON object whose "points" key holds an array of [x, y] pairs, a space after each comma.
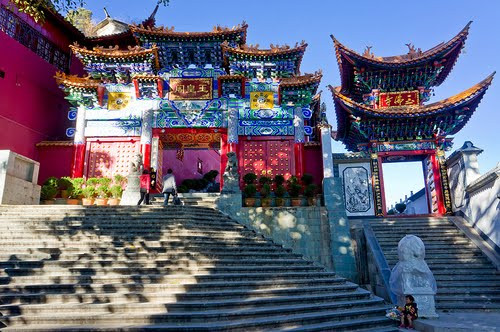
{"points": [[151, 21], [412, 51], [367, 52], [106, 12]]}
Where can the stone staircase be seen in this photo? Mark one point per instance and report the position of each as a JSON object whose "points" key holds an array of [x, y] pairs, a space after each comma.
{"points": [[466, 279], [176, 268], [191, 199]]}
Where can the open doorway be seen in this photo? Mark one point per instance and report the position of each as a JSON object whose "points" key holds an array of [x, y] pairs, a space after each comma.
{"points": [[194, 156], [405, 186]]}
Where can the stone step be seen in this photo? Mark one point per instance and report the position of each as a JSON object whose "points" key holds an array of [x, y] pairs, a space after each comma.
{"points": [[443, 266], [466, 277], [180, 316], [178, 298], [372, 324], [448, 306], [11, 264], [489, 291], [57, 254], [161, 317]]}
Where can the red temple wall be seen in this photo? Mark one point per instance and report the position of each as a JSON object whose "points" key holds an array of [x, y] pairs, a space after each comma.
{"points": [[32, 107], [314, 163], [54, 161]]}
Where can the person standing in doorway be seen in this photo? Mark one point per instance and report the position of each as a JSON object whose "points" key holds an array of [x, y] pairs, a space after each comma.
{"points": [[145, 179], [169, 187]]}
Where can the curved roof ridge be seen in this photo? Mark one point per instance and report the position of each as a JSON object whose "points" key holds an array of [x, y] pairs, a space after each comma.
{"points": [[273, 50], [424, 109], [410, 57]]}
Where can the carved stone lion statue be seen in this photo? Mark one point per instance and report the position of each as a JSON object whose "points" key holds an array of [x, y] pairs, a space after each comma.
{"points": [[136, 165], [232, 165]]}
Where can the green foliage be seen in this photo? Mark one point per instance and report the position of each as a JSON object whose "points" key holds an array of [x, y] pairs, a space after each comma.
{"points": [[48, 192], [211, 175], [92, 182], [249, 178], [182, 188], [64, 183], [265, 191], [310, 190], [307, 179], [120, 179], [400, 207], [294, 189], [293, 179], [280, 191], [391, 212], [250, 190], [116, 191], [279, 180], [103, 191], [78, 182], [104, 181], [36, 8], [76, 187], [89, 192], [52, 181], [81, 18], [264, 180]]}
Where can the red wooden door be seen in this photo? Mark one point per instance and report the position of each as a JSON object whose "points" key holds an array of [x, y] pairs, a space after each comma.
{"points": [[279, 158], [268, 158], [108, 158]]}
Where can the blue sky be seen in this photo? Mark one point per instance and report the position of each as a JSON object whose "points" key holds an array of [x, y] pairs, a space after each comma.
{"points": [[384, 25]]}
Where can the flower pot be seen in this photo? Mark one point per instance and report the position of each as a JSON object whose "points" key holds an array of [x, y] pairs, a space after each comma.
{"points": [[72, 201], [48, 202], [101, 201], [114, 201], [265, 202], [296, 201], [311, 201], [280, 201], [250, 202], [87, 201], [64, 193]]}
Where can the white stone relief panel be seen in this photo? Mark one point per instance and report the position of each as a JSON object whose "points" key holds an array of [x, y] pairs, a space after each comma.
{"points": [[357, 188], [457, 183]]}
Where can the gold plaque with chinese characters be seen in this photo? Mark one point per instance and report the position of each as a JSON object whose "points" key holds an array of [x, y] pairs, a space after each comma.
{"points": [[397, 99], [261, 100], [190, 89]]}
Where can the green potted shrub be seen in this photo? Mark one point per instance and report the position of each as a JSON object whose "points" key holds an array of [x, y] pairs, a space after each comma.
{"points": [[280, 193], [116, 194], [310, 192], [279, 180], [103, 192], [265, 192], [294, 188], [65, 186], [250, 189], [47, 194], [264, 180], [307, 179], [120, 180], [94, 182], [89, 194]]}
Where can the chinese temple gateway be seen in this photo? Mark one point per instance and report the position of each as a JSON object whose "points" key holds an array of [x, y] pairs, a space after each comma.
{"points": [[382, 117], [185, 99]]}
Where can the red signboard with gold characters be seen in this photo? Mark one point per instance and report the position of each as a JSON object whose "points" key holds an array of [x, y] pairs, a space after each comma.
{"points": [[396, 99], [190, 88]]}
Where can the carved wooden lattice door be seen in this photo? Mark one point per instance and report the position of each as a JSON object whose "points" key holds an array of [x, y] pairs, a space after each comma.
{"points": [[430, 185], [268, 158]]}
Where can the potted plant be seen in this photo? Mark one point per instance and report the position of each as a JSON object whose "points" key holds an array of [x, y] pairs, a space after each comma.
{"points": [[250, 189], [93, 182], [265, 192], [120, 180], [78, 184], [47, 194], [310, 193], [307, 179], [280, 192], [294, 189], [116, 194], [103, 191], [89, 194], [65, 185]]}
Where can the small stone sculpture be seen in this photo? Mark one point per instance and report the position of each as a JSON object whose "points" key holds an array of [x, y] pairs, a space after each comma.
{"points": [[136, 166], [412, 276], [231, 176]]}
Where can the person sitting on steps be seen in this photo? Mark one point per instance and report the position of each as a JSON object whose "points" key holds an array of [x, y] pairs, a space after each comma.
{"points": [[409, 313], [169, 186]]}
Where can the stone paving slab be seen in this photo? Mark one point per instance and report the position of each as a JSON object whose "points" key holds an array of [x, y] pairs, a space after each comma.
{"points": [[460, 322]]}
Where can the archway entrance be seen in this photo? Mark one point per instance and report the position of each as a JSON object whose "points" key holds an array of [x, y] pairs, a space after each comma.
{"points": [[191, 153]]}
